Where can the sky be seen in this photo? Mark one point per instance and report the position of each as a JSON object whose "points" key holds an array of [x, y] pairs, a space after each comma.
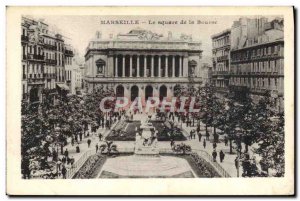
{"points": [[79, 30]]}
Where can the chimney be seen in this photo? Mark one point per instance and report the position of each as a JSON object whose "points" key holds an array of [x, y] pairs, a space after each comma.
{"points": [[98, 35]]}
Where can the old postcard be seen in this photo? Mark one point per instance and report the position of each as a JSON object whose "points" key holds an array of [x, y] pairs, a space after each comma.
{"points": [[150, 101]]}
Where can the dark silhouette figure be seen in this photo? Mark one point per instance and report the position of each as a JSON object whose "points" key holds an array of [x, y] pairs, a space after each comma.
{"points": [[64, 172], [222, 156], [66, 153], [89, 142], [214, 154]]}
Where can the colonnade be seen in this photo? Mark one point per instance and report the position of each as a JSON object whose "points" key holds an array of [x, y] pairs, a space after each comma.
{"points": [[160, 65]]}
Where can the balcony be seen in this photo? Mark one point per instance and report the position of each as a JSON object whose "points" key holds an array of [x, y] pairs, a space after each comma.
{"points": [[50, 47], [24, 38], [222, 58], [35, 57], [69, 52], [36, 81], [49, 75], [51, 61], [220, 73]]}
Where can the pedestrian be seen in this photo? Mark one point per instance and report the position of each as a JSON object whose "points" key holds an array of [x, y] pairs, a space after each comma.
{"points": [[89, 142], [172, 143], [198, 129], [214, 154], [64, 160], [77, 149], [222, 156], [66, 153], [72, 160], [72, 141], [54, 155], [58, 165], [80, 136], [207, 135], [100, 137], [204, 143], [64, 172], [191, 134], [97, 147], [199, 136], [226, 141], [236, 162], [214, 145]]}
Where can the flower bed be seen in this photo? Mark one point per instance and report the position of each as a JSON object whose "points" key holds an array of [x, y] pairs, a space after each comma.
{"points": [[201, 168], [91, 167], [126, 132]]}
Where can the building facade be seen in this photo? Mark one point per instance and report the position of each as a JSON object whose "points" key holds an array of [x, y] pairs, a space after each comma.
{"points": [[221, 61], [248, 60], [142, 63], [43, 59], [74, 73], [257, 60]]}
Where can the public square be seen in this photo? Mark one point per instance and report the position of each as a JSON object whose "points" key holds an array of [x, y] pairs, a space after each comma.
{"points": [[144, 104]]}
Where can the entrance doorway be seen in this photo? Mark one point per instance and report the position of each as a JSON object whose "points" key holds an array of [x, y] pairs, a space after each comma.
{"points": [[148, 92], [134, 92], [162, 92]]}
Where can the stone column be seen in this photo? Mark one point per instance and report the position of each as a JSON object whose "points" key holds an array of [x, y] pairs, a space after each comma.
{"points": [[116, 66], [180, 66], [130, 63], [159, 66], [166, 67], [185, 66], [173, 66], [152, 66], [145, 66], [123, 66], [138, 65]]}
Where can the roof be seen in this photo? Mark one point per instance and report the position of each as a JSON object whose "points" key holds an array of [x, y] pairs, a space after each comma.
{"points": [[226, 31]]}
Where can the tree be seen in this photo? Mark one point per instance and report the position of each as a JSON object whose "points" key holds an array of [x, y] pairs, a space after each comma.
{"points": [[270, 126]]}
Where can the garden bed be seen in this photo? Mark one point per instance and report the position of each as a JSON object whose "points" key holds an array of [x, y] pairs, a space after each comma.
{"points": [[200, 167], [91, 167], [128, 132]]}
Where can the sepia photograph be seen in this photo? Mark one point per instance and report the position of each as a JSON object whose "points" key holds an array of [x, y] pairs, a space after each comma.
{"points": [[134, 97]]}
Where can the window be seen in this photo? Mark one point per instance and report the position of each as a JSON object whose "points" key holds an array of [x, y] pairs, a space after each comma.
{"points": [[100, 66]]}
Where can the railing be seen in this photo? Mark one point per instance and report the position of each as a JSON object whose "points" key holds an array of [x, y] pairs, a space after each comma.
{"points": [[201, 153], [51, 61], [35, 57], [204, 155], [50, 47], [78, 164]]}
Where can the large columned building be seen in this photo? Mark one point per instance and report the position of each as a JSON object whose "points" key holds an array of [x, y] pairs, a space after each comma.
{"points": [[142, 63]]}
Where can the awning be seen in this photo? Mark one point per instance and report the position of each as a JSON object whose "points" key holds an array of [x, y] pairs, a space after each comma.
{"points": [[63, 86]]}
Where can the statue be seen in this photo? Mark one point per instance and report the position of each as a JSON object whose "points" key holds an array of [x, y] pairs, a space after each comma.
{"points": [[146, 142]]}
